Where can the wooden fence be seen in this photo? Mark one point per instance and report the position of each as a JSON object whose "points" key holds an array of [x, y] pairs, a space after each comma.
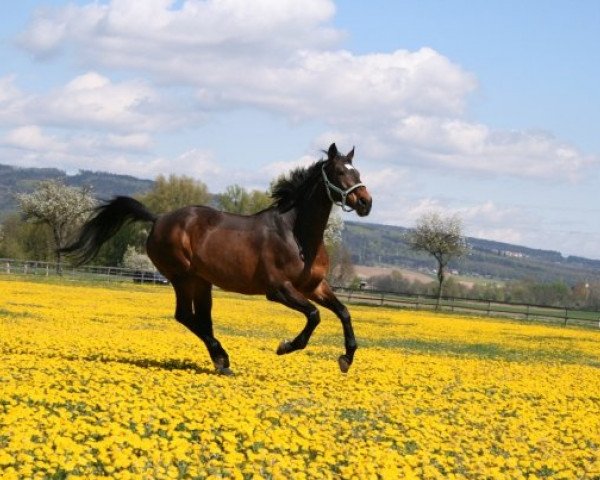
{"points": [[563, 316], [86, 273]]}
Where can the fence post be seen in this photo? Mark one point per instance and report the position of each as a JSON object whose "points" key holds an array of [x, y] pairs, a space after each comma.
{"points": [[382, 298], [489, 310], [7, 267], [566, 316], [527, 314]]}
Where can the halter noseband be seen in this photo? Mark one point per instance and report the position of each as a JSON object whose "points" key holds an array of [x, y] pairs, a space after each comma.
{"points": [[329, 187]]}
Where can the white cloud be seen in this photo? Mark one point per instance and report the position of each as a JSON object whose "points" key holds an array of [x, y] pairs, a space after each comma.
{"points": [[31, 138], [466, 146], [92, 100], [270, 54], [234, 27], [133, 141], [275, 169], [402, 108]]}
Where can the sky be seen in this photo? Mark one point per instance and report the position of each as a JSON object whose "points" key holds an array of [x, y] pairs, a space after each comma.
{"points": [[487, 110]]}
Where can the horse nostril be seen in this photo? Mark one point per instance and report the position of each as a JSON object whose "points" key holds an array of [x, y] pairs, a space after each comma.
{"points": [[362, 202]]}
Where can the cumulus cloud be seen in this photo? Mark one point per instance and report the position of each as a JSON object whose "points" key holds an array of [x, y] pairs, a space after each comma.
{"points": [[275, 55], [462, 145], [406, 108], [233, 27], [31, 138], [93, 101]]}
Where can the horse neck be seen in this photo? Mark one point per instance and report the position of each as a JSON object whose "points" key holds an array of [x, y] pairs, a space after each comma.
{"points": [[312, 214]]}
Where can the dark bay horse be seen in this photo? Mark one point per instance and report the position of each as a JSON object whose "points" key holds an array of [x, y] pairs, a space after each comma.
{"points": [[278, 252]]}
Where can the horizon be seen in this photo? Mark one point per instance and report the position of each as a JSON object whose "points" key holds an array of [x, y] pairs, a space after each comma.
{"points": [[488, 111]]}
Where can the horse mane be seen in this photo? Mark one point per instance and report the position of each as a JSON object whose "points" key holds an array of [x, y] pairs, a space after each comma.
{"points": [[287, 189]]}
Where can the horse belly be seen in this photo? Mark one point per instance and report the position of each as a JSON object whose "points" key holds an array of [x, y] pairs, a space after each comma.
{"points": [[231, 262]]}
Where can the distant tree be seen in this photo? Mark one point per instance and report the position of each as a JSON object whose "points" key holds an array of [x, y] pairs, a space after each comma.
{"points": [[236, 199], [442, 238], [259, 200], [393, 282], [136, 260], [12, 234], [593, 296], [60, 207], [174, 192]]}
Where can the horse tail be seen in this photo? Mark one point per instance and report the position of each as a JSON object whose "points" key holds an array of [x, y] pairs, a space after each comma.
{"points": [[106, 221]]}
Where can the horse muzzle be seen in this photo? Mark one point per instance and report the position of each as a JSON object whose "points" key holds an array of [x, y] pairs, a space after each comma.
{"points": [[362, 202]]}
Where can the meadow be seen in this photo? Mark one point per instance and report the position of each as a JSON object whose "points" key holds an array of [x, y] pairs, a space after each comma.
{"points": [[101, 382]]}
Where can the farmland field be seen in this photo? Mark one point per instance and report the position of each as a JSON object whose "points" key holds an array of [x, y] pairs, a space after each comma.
{"points": [[100, 382]]}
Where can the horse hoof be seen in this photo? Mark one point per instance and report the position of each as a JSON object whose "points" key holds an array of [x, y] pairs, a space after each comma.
{"points": [[225, 371], [344, 364], [284, 347]]}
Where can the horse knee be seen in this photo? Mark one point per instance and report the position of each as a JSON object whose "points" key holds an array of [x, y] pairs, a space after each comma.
{"points": [[313, 318], [344, 315]]}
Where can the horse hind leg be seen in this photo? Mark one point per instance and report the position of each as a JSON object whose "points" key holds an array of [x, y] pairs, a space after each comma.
{"points": [[194, 305], [204, 328]]}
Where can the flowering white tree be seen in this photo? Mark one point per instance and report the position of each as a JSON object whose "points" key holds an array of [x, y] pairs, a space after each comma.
{"points": [[135, 260], [59, 206], [333, 233], [341, 270]]}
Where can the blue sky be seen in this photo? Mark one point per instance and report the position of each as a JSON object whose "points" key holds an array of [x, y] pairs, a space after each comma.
{"points": [[484, 109]]}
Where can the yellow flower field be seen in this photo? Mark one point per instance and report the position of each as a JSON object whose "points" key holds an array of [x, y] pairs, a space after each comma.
{"points": [[100, 381]]}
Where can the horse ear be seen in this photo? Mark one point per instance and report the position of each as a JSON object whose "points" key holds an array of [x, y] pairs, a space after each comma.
{"points": [[332, 152], [350, 155]]}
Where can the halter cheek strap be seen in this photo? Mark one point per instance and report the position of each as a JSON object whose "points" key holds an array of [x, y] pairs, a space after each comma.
{"points": [[330, 187]]}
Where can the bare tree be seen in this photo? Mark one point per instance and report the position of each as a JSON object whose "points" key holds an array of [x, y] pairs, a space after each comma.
{"points": [[59, 206], [441, 237]]}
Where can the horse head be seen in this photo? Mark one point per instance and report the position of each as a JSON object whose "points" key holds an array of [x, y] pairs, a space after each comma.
{"points": [[342, 182]]}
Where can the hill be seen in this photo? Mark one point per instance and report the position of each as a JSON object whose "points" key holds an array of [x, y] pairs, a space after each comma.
{"points": [[105, 185], [385, 245]]}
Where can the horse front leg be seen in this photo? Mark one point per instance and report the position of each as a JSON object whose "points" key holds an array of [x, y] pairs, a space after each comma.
{"points": [[287, 295], [324, 296]]}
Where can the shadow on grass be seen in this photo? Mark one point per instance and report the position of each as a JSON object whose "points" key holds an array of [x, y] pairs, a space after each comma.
{"points": [[164, 364]]}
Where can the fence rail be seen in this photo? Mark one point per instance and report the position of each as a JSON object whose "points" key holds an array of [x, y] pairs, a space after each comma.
{"points": [[564, 316], [85, 273]]}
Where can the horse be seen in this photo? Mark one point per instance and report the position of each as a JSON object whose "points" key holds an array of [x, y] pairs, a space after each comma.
{"points": [[277, 252]]}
